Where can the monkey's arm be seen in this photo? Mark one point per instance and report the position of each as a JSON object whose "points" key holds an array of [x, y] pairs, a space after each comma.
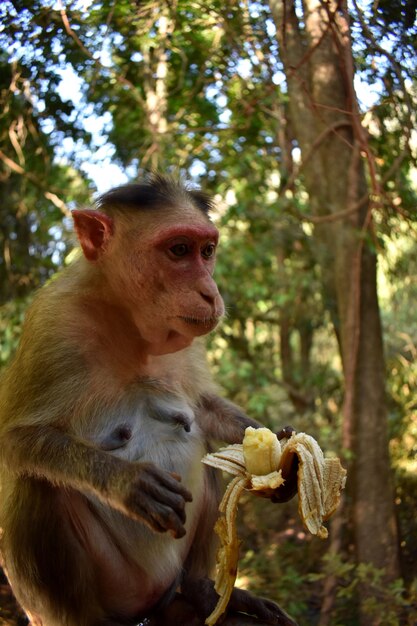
{"points": [[140, 490], [223, 420]]}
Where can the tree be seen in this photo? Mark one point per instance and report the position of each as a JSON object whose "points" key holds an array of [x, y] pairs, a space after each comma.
{"points": [[339, 173], [214, 92], [33, 181]]}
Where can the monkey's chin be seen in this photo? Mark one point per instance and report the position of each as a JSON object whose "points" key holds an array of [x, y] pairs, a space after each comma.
{"points": [[181, 334]]}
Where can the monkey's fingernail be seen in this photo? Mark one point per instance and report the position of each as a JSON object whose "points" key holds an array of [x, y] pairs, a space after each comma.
{"points": [[177, 534]]}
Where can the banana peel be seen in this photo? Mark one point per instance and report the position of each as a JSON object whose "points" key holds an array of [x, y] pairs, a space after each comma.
{"points": [[260, 464]]}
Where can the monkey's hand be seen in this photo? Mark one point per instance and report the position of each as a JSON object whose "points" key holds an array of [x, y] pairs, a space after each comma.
{"points": [[150, 495], [289, 472]]}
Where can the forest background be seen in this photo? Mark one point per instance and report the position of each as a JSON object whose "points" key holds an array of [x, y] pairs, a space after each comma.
{"points": [[300, 119]]}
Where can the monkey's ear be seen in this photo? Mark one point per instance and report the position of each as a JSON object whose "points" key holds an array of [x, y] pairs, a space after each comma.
{"points": [[94, 230]]}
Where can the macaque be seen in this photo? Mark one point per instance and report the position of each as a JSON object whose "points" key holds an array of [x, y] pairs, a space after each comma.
{"points": [[106, 510]]}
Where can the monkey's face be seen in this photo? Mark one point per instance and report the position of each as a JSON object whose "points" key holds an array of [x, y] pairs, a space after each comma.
{"points": [[159, 266], [177, 297]]}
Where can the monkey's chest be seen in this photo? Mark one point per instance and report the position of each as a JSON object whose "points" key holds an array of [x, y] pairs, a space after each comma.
{"points": [[161, 430]]}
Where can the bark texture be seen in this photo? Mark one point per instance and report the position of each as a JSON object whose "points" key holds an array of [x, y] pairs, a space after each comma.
{"points": [[315, 49]]}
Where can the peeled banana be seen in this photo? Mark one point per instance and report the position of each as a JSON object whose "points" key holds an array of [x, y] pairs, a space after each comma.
{"points": [[259, 464], [261, 451]]}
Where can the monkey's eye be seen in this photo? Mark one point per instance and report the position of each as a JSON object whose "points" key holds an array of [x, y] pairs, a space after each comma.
{"points": [[179, 250], [208, 251]]}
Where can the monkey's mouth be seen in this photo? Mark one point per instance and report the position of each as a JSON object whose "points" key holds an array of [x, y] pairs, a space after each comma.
{"points": [[206, 322]]}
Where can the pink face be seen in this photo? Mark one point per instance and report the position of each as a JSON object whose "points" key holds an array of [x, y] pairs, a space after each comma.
{"points": [[162, 273], [182, 260]]}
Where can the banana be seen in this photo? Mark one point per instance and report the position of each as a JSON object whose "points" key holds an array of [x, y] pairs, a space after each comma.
{"points": [[259, 464], [261, 451]]}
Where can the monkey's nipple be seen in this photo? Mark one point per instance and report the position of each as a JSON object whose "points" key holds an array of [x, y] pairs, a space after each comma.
{"points": [[183, 421], [117, 438]]}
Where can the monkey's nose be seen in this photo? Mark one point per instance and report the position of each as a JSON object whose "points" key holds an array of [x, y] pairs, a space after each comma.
{"points": [[208, 290], [208, 297]]}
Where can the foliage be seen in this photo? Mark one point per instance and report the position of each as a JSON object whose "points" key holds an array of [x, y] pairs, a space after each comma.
{"points": [[11, 320], [406, 504], [276, 557], [388, 604], [33, 235], [197, 88]]}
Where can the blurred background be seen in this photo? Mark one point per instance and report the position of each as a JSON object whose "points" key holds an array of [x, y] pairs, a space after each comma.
{"points": [[300, 119]]}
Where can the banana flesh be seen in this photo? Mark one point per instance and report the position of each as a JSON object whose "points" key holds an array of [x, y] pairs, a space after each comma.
{"points": [[261, 463], [261, 451]]}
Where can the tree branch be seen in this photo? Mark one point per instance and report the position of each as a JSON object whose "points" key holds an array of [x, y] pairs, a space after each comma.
{"points": [[118, 77], [49, 195]]}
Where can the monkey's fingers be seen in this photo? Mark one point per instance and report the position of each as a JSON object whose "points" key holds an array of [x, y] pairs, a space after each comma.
{"points": [[168, 489], [158, 499], [156, 516], [285, 433], [176, 485], [162, 518], [290, 487], [151, 479], [172, 501]]}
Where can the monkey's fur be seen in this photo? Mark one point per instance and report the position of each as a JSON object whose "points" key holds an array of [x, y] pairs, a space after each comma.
{"points": [[105, 414]]}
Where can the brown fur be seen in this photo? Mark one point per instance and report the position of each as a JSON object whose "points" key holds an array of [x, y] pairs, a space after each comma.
{"points": [[106, 412]]}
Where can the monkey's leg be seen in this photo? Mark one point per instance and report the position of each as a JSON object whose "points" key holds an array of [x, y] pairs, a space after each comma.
{"points": [[181, 612], [243, 605], [48, 568]]}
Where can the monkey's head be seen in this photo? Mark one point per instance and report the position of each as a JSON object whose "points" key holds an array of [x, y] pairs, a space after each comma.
{"points": [[153, 248]]}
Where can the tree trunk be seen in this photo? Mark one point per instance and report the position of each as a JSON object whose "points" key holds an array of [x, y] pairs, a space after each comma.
{"points": [[155, 60], [318, 64]]}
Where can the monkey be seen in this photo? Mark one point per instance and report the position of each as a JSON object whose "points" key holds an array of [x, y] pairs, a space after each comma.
{"points": [[106, 411]]}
